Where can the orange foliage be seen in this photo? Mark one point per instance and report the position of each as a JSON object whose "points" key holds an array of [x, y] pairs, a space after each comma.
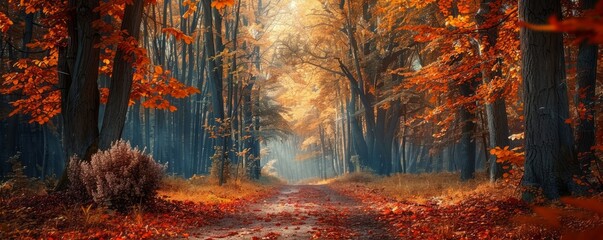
{"points": [[35, 79], [192, 7], [506, 155], [456, 51], [220, 4], [5, 22], [179, 35]]}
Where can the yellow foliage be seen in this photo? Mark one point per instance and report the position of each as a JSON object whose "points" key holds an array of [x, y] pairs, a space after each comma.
{"points": [[198, 189], [444, 187]]}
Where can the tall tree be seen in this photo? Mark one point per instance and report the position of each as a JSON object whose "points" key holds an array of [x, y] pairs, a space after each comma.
{"points": [[121, 81], [587, 78], [496, 113], [78, 65], [211, 18], [550, 163]]}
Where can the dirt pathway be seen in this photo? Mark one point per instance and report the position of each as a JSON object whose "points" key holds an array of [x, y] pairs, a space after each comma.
{"points": [[300, 212]]}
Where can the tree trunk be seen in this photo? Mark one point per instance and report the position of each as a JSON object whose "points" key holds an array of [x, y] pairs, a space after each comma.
{"points": [[550, 161], [214, 73], [121, 81], [467, 143], [585, 96], [496, 114], [79, 62]]}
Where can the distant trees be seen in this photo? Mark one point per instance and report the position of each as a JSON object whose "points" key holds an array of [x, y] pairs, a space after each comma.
{"points": [[432, 85], [116, 53]]}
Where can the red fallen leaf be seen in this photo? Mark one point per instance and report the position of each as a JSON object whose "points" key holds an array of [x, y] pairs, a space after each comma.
{"points": [[386, 211]]}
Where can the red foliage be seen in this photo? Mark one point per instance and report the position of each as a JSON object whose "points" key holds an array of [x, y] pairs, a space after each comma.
{"points": [[179, 35], [220, 4], [5, 22], [35, 78], [58, 216]]}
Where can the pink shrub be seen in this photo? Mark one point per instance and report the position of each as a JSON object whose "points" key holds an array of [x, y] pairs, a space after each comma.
{"points": [[77, 189], [121, 176]]}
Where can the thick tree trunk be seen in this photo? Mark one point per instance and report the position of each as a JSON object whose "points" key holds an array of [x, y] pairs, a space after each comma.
{"points": [[78, 65], [356, 136], [121, 81], [550, 161]]}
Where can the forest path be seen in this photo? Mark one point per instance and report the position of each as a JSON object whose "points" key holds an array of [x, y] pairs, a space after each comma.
{"points": [[300, 212]]}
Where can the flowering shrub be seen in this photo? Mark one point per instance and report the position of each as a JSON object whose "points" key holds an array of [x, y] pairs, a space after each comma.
{"points": [[77, 189], [119, 177]]}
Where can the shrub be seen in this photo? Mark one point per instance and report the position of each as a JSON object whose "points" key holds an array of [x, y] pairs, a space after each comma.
{"points": [[119, 177], [77, 190]]}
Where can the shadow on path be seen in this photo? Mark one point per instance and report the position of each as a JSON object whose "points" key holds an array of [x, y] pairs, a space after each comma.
{"points": [[300, 212]]}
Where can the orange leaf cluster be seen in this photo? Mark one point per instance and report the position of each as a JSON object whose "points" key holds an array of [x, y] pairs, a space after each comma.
{"points": [[158, 88], [5, 22], [506, 155], [179, 35], [220, 4], [36, 79], [192, 7], [40, 98]]}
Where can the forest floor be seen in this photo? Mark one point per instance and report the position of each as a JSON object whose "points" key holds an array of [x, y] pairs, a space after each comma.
{"points": [[28, 211], [440, 206], [356, 206], [301, 212]]}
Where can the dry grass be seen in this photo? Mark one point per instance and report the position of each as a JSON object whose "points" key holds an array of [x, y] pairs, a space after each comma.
{"points": [[442, 187], [199, 189]]}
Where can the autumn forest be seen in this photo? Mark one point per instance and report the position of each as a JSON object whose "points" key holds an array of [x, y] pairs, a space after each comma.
{"points": [[301, 119]]}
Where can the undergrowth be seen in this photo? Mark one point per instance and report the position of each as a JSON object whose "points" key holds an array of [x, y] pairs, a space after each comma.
{"points": [[420, 188], [202, 189], [440, 206]]}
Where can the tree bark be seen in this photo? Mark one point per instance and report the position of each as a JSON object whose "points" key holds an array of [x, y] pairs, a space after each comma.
{"points": [[585, 96], [121, 81], [467, 143], [496, 114], [214, 72], [550, 161], [78, 64]]}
